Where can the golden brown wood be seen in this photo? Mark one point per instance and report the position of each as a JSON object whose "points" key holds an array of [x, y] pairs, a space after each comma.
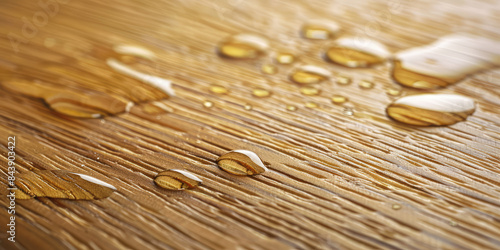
{"points": [[333, 179]]}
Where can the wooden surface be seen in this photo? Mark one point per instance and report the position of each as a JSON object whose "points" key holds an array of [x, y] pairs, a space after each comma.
{"points": [[333, 179]]}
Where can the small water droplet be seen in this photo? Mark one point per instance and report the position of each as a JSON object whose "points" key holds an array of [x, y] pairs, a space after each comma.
{"points": [[208, 104], [343, 80], [365, 84], [339, 99], [309, 74], [248, 107], [285, 58], [218, 89], [309, 91], [319, 29], [396, 206], [311, 105], [241, 162], [175, 179], [291, 108], [61, 184], [348, 111], [431, 109], [393, 91], [354, 53], [261, 93], [243, 46], [269, 69]]}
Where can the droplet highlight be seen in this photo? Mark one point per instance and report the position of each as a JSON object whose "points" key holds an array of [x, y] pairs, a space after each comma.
{"points": [[208, 104], [175, 179], [431, 109], [61, 184], [241, 162]]}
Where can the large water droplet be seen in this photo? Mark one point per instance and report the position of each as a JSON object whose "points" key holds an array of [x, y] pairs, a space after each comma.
{"points": [[241, 162], [431, 109], [61, 184], [356, 53], [446, 61], [82, 104], [175, 179], [243, 46]]}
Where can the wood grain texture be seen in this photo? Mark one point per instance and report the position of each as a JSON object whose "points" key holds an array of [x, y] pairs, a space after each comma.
{"points": [[333, 179]]}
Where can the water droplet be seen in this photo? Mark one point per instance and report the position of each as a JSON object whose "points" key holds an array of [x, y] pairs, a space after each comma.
{"points": [[444, 62], [354, 53], [175, 179], [393, 91], [61, 184], [309, 91], [160, 83], [343, 80], [270, 69], [261, 93], [339, 99], [243, 46], [241, 162], [309, 74], [285, 58], [291, 108], [348, 111], [69, 101], [365, 84], [396, 206], [217, 89], [311, 105], [431, 109], [248, 107], [208, 104], [319, 29]]}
